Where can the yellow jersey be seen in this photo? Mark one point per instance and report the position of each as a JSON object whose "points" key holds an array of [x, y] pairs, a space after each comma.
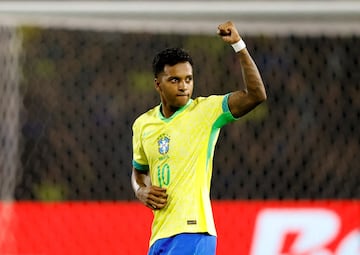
{"points": [[178, 151]]}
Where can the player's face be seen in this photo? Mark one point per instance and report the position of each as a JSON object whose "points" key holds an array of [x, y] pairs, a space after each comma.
{"points": [[175, 85]]}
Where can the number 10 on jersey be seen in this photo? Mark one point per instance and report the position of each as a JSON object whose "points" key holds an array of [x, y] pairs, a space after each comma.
{"points": [[163, 174]]}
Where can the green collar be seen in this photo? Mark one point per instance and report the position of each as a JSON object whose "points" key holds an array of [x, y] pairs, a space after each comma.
{"points": [[181, 109]]}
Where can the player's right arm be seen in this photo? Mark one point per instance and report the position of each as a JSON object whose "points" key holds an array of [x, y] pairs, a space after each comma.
{"points": [[153, 197], [243, 100]]}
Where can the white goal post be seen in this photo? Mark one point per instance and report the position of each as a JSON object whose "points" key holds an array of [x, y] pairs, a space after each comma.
{"points": [[252, 17]]}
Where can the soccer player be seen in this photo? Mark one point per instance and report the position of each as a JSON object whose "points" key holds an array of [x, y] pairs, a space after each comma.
{"points": [[173, 148]]}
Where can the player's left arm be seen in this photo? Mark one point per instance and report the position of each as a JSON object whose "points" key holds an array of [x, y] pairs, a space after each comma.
{"points": [[242, 101], [152, 196]]}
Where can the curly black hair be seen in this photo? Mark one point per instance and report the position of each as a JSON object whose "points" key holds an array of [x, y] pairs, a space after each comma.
{"points": [[171, 57]]}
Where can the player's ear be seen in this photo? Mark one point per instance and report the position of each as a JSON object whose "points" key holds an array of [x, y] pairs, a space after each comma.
{"points": [[157, 84]]}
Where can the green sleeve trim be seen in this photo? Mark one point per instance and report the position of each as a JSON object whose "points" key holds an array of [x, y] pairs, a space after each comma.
{"points": [[223, 119], [227, 116], [225, 105], [140, 166]]}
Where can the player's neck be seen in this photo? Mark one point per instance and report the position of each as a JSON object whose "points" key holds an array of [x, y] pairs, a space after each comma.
{"points": [[167, 112]]}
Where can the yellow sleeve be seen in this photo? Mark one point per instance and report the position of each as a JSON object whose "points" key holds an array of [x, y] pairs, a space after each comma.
{"points": [[140, 161]]}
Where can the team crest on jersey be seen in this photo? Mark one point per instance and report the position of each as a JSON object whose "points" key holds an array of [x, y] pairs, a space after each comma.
{"points": [[163, 143]]}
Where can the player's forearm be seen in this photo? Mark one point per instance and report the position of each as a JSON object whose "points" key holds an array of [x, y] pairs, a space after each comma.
{"points": [[139, 180], [253, 82]]}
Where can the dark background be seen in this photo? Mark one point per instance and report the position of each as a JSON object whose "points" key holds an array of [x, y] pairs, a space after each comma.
{"points": [[81, 91]]}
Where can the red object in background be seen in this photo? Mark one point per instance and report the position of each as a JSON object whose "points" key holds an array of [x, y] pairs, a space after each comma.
{"points": [[77, 228], [244, 227]]}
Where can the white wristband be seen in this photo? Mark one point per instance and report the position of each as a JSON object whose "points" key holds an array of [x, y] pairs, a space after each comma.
{"points": [[238, 46]]}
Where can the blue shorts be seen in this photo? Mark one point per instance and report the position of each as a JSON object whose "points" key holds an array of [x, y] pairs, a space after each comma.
{"points": [[185, 244]]}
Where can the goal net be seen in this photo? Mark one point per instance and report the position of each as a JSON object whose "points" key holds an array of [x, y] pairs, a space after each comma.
{"points": [[74, 76], [10, 105]]}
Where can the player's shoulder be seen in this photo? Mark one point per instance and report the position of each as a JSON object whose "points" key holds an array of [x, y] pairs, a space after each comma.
{"points": [[208, 99], [147, 116]]}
